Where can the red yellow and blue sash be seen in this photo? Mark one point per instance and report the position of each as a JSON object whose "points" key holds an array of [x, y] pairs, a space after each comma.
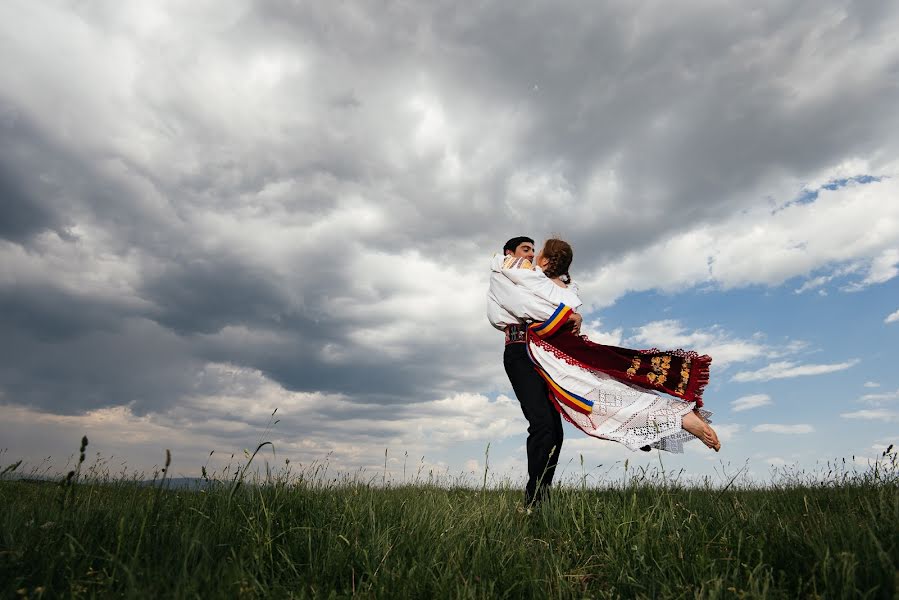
{"points": [[570, 399], [578, 403], [553, 323]]}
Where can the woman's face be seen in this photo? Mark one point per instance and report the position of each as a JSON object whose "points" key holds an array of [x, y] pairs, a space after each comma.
{"points": [[540, 261]]}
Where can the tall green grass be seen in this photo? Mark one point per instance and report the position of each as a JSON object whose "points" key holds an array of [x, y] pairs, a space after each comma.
{"points": [[298, 534]]}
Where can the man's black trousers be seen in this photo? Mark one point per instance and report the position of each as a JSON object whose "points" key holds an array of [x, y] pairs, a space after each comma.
{"points": [[544, 422]]}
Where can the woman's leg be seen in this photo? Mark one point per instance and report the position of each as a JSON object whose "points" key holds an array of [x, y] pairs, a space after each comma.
{"points": [[695, 425]]}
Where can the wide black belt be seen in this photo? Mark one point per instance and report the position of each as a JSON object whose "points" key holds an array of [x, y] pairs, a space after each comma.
{"points": [[516, 334]]}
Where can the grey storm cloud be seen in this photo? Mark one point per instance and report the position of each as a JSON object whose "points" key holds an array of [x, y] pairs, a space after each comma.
{"points": [[21, 216], [205, 294], [135, 365], [446, 130], [28, 206]]}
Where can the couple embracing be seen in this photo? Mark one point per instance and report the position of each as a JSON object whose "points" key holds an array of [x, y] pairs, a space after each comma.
{"points": [[640, 398]]}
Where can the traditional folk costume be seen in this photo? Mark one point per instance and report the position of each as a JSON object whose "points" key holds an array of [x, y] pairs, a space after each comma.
{"points": [[511, 308], [609, 392]]}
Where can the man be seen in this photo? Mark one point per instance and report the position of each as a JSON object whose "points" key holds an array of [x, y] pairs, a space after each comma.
{"points": [[511, 308]]}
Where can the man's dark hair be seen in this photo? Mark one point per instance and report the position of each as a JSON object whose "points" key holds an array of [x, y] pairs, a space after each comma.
{"points": [[512, 244]]}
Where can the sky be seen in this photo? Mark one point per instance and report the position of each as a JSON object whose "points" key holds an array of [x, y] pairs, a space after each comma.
{"points": [[212, 210]]}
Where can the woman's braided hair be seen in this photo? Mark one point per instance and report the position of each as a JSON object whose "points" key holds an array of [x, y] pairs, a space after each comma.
{"points": [[559, 255]]}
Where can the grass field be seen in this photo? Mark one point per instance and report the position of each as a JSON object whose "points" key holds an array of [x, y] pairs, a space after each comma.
{"points": [[304, 535]]}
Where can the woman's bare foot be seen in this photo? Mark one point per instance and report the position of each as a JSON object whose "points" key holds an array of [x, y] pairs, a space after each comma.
{"points": [[702, 430]]}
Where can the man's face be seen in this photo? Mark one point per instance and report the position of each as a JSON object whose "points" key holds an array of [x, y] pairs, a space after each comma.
{"points": [[525, 250]]}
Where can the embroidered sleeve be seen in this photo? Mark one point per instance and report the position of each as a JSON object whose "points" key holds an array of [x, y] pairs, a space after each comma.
{"points": [[517, 262]]}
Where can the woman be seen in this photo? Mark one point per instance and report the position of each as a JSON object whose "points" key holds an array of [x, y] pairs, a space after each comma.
{"points": [[609, 392]]}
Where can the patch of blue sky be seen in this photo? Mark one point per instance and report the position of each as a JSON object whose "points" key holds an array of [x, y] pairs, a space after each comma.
{"points": [[777, 312], [807, 196], [833, 329]]}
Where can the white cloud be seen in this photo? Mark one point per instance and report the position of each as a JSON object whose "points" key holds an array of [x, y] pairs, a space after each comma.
{"points": [[592, 329], [832, 233], [789, 429], [724, 348], [871, 384], [749, 402], [881, 446], [787, 369], [873, 414], [892, 317], [882, 268], [877, 398], [721, 346], [813, 284], [599, 456], [727, 432], [866, 457], [821, 280]]}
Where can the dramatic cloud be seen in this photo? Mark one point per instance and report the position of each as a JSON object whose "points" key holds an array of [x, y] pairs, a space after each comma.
{"points": [[786, 369], [311, 193], [311, 425], [750, 402], [787, 429]]}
